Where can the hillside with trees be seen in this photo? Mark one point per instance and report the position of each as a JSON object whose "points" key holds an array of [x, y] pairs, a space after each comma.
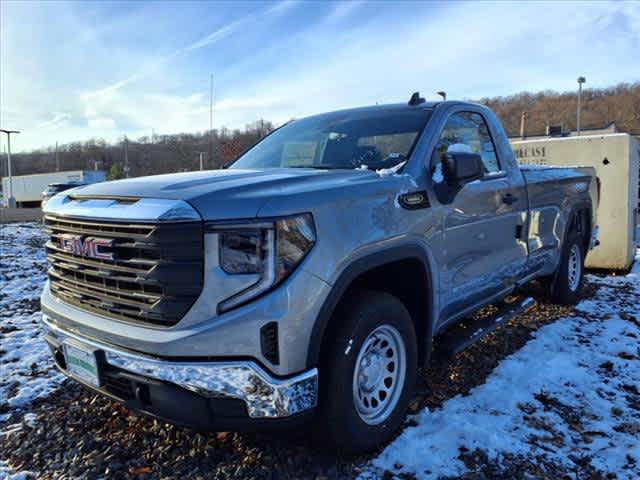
{"points": [[180, 152], [144, 155], [600, 107]]}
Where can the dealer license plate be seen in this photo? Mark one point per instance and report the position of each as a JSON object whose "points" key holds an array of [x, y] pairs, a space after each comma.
{"points": [[81, 363]]}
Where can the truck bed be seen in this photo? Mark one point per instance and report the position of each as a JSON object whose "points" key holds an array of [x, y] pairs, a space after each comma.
{"points": [[564, 181], [550, 191]]}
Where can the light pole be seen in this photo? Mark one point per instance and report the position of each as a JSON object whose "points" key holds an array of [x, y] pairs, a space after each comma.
{"points": [[581, 80], [10, 200], [201, 155]]}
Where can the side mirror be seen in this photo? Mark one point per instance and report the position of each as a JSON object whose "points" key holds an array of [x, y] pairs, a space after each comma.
{"points": [[460, 167]]}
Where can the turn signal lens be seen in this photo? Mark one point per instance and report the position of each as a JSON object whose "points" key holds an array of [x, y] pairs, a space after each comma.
{"points": [[295, 236]]}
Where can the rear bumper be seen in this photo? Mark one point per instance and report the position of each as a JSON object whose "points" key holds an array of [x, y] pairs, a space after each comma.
{"points": [[212, 393]]}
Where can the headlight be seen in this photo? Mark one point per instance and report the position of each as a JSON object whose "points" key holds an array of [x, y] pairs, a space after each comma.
{"points": [[269, 249], [242, 252]]}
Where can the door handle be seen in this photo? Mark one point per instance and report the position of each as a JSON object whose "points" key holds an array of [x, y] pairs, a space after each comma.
{"points": [[509, 199]]}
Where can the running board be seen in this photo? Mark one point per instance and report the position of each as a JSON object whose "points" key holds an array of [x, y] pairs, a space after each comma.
{"points": [[461, 336]]}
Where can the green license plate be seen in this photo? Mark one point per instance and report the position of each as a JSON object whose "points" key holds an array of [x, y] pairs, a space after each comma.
{"points": [[81, 363]]}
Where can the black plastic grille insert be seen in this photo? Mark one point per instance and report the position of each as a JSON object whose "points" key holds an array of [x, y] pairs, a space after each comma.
{"points": [[156, 273]]}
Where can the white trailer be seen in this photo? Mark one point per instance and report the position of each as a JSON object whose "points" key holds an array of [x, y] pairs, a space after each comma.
{"points": [[616, 159], [27, 189]]}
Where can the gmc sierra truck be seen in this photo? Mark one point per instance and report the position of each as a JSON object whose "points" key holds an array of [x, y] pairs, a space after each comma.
{"points": [[310, 278]]}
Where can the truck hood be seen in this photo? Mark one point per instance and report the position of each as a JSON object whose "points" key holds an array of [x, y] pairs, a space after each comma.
{"points": [[227, 194]]}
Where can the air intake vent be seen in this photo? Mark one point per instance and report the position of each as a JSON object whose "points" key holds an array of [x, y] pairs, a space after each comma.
{"points": [[269, 342]]}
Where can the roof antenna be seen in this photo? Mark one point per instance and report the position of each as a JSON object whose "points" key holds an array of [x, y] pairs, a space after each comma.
{"points": [[443, 94], [416, 99]]}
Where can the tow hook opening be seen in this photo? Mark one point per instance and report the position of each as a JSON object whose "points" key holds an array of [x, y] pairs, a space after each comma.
{"points": [[142, 394]]}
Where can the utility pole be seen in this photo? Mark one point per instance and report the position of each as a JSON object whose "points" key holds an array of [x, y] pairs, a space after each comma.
{"points": [[57, 159], [211, 121], [581, 80], [523, 122], [11, 202]]}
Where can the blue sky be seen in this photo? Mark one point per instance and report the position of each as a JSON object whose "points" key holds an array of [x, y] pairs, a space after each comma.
{"points": [[73, 71]]}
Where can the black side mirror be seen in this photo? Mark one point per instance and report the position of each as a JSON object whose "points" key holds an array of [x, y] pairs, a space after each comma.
{"points": [[459, 167]]}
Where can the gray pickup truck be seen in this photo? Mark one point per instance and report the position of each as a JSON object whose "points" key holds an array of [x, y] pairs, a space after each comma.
{"points": [[311, 278]]}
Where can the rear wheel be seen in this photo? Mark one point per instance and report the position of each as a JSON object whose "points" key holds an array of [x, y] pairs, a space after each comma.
{"points": [[370, 372], [567, 281]]}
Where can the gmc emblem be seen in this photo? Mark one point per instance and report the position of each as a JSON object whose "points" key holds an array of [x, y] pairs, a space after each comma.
{"points": [[91, 247]]}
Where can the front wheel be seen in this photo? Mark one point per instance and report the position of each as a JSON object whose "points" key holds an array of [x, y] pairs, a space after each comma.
{"points": [[567, 281], [370, 372]]}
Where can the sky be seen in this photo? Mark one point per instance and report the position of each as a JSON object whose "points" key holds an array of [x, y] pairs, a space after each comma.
{"points": [[72, 71]]}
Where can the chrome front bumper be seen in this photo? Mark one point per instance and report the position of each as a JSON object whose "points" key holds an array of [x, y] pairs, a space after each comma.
{"points": [[263, 395]]}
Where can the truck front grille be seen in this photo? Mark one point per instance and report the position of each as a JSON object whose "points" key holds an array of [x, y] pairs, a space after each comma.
{"points": [[154, 276]]}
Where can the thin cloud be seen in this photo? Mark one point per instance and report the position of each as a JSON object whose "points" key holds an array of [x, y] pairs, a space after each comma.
{"points": [[205, 41], [343, 10], [56, 121]]}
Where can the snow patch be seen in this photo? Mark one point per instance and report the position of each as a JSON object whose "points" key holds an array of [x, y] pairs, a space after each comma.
{"points": [[386, 172], [6, 473], [25, 359], [574, 388]]}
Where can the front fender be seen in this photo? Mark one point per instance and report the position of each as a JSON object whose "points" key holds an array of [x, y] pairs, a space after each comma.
{"points": [[365, 263]]}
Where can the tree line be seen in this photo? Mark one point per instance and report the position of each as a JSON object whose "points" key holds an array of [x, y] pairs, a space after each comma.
{"points": [[181, 152], [600, 107], [144, 155]]}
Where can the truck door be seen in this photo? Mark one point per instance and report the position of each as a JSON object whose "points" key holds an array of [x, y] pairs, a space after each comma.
{"points": [[481, 254]]}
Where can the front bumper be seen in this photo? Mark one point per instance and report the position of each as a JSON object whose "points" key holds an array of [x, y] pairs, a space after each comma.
{"points": [[264, 396]]}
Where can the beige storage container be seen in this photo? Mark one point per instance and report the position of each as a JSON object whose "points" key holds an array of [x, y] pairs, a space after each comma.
{"points": [[616, 160]]}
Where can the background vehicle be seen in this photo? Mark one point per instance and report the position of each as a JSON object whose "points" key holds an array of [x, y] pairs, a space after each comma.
{"points": [[55, 188], [27, 189], [312, 275]]}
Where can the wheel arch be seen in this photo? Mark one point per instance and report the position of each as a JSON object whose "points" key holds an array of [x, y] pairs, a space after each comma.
{"points": [[580, 220], [398, 266]]}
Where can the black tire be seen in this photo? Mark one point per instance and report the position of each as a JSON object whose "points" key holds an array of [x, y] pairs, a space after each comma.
{"points": [[358, 318], [565, 288]]}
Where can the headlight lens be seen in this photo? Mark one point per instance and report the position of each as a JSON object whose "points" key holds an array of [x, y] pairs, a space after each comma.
{"points": [[270, 249], [242, 252]]}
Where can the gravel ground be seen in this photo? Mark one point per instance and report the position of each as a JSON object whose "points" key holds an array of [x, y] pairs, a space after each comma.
{"points": [[77, 433], [73, 433]]}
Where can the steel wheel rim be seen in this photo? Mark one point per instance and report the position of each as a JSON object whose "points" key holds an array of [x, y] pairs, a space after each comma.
{"points": [[574, 268], [379, 374]]}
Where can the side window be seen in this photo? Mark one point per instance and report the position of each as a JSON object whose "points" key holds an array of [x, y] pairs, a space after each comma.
{"points": [[468, 132]]}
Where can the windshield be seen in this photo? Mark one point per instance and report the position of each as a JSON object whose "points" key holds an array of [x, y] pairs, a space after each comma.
{"points": [[373, 139]]}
